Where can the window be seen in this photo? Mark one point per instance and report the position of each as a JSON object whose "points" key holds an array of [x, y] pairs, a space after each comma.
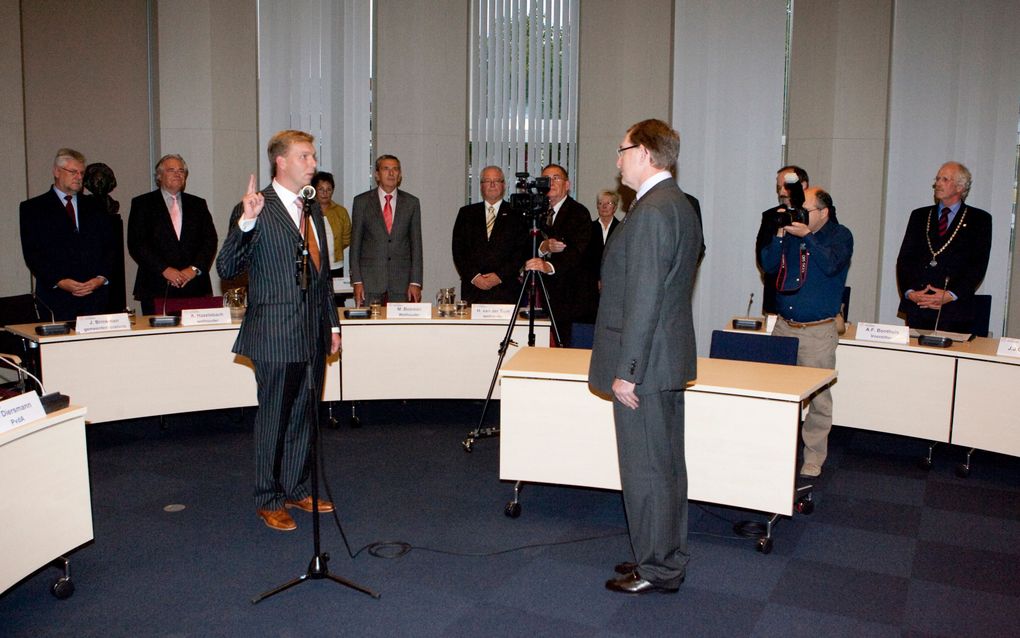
{"points": [[523, 86]]}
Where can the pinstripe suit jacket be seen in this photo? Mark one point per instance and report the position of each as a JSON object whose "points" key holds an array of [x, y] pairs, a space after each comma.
{"points": [[380, 260], [274, 326]]}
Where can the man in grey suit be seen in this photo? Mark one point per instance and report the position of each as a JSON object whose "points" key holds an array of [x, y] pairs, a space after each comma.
{"points": [[386, 262], [265, 236], [644, 355]]}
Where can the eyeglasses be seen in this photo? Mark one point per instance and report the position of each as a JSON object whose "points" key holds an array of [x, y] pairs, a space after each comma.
{"points": [[493, 182], [557, 178], [72, 171], [620, 151], [811, 210], [174, 171]]}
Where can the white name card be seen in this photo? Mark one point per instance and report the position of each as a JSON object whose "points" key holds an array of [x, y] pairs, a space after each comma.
{"points": [[1008, 347], [205, 316], [883, 333], [408, 311], [20, 410], [489, 311], [770, 323], [102, 323]]}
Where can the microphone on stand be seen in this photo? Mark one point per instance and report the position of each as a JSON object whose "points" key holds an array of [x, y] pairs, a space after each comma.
{"points": [[934, 339], [747, 322], [164, 321], [51, 328], [307, 193], [50, 402]]}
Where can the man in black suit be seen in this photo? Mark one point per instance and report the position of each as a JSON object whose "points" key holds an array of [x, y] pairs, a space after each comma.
{"points": [[768, 229], [284, 327], [171, 237], [644, 355], [386, 251], [489, 242], [567, 232], [66, 243], [948, 241]]}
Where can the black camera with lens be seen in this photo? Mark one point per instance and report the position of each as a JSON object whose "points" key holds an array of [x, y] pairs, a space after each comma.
{"points": [[795, 212], [531, 198]]}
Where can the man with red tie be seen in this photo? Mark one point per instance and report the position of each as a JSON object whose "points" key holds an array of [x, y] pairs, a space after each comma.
{"points": [[386, 251], [66, 244], [948, 241]]}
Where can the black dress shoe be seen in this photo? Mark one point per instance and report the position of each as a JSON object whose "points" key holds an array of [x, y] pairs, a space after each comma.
{"points": [[625, 568], [633, 584]]}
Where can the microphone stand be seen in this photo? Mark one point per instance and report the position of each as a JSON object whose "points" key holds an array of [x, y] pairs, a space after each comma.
{"points": [[532, 280], [934, 339], [317, 568]]}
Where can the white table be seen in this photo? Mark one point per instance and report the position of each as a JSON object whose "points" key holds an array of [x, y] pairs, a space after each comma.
{"points": [[436, 358], [741, 422], [44, 476], [960, 395], [149, 371]]}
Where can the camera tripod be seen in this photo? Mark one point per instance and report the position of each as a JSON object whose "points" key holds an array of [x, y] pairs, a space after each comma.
{"points": [[532, 281]]}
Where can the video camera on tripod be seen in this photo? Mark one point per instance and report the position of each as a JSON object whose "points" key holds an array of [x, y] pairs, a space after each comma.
{"points": [[531, 198], [795, 212]]}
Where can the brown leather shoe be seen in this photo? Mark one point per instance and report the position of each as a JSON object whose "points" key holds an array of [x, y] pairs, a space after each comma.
{"points": [[305, 504], [277, 519]]}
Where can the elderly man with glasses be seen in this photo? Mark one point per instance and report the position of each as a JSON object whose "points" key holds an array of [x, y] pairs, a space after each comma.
{"points": [[66, 244]]}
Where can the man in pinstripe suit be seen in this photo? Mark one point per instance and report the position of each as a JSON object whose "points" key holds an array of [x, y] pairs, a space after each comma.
{"points": [[263, 241]]}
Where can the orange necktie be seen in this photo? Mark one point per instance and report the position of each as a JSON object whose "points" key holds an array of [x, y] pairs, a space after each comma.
{"points": [[313, 245]]}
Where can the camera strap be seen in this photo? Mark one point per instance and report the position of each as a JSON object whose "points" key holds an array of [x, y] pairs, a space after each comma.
{"points": [[784, 270]]}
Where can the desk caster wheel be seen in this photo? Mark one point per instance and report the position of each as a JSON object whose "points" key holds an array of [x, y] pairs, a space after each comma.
{"points": [[512, 510], [765, 545], [63, 588], [355, 422], [963, 470], [924, 464], [805, 506], [467, 445]]}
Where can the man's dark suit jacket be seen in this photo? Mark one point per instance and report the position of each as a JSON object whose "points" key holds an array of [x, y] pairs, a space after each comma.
{"points": [[54, 250], [154, 245], [766, 232], [964, 262], [386, 262], [645, 328], [566, 286], [274, 326], [502, 253]]}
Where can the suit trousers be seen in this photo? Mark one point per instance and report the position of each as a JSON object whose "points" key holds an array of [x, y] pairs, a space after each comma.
{"points": [[816, 349], [283, 429], [653, 474]]}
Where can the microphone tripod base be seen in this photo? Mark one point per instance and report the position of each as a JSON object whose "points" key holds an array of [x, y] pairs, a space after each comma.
{"points": [[317, 570], [54, 401], [935, 341]]}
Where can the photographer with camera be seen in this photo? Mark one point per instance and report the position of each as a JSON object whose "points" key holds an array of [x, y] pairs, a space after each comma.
{"points": [[771, 222], [811, 256], [567, 231]]}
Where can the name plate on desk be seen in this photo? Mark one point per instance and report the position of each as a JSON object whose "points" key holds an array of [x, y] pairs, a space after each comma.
{"points": [[883, 333], [205, 316], [489, 311], [408, 311], [103, 323], [1008, 347], [20, 410]]}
